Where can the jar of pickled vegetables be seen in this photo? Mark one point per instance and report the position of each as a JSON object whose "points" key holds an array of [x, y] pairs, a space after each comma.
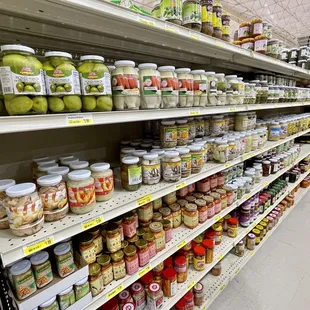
{"points": [[186, 87], [171, 165], [168, 134], [190, 216], [169, 84], [131, 173], [221, 150], [159, 234], [186, 162], [182, 132], [191, 14]]}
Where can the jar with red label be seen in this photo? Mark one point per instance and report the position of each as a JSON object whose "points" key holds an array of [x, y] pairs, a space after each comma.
{"points": [[191, 188], [244, 30], [220, 179], [202, 210], [118, 264], [260, 44], [180, 305], [210, 205], [218, 229], [257, 27], [138, 295], [203, 186], [81, 191], [131, 259], [155, 297], [198, 294], [129, 225], [217, 202], [180, 267], [189, 299], [143, 252], [169, 282], [150, 239], [168, 230], [113, 238], [213, 182], [199, 258], [145, 213], [124, 297], [104, 181], [129, 306]]}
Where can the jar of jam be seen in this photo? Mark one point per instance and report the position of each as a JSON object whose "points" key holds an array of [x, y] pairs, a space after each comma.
{"points": [[190, 216], [203, 186], [159, 234], [189, 299], [106, 269], [118, 264], [129, 225], [113, 238], [169, 282], [199, 258], [143, 252], [150, 239]]}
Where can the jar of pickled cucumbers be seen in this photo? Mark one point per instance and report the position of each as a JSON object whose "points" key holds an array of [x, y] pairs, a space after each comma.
{"points": [[131, 173]]}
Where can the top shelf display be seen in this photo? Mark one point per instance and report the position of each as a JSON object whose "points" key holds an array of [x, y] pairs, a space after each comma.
{"points": [[88, 26]]}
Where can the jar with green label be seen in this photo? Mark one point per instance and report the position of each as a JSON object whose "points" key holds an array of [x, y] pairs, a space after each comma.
{"points": [[22, 81], [183, 132], [42, 268], [156, 12], [66, 298], [206, 17], [171, 11], [131, 173], [191, 14], [95, 84], [169, 87], [62, 83], [81, 288]]}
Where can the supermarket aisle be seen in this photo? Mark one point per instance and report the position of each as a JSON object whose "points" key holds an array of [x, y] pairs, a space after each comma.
{"points": [[278, 276]]}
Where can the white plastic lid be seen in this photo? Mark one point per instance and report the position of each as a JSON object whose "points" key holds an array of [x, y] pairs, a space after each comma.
{"points": [[62, 248], [48, 302], [221, 141], [130, 160], [151, 156], [39, 158], [181, 121], [231, 76], [183, 70], [128, 150], [39, 258], [81, 164], [239, 78], [183, 150], [166, 68], [100, 167], [139, 153], [210, 73], [168, 123], [57, 54], [82, 281], [92, 57], [124, 63], [79, 175], [147, 66], [20, 267], [68, 161], [49, 180], [65, 157], [211, 140], [47, 167], [20, 190], [59, 170], [46, 161], [194, 147], [219, 74], [66, 291], [158, 151], [6, 183], [172, 154], [17, 47], [111, 68], [198, 72], [169, 149]]}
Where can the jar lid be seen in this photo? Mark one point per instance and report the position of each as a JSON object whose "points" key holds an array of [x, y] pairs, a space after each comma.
{"points": [[65, 157], [62, 170], [62, 248], [17, 47], [137, 287], [123, 295], [220, 75], [198, 72], [49, 180], [82, 281], [169, 273], [167, 123], [92, 57], [6, 183], [57, 54], [48, 302], [166, 68], [82, 164], [158, 151], [20, 267], [182, 121], [183, 150], [210, 73], [181, 304], [171, 154], [68, 161], [99, 167], [130, 160], [233, 221], [199, 250], [195, 148], [191, 207], [149, 236], [251, 236], [40, 158], [79, 175], [154, 287], [47, 167], [208, 243], [46, 161], [152, 156], [111, 68], [231, 76], [180, 260], [183, 70], [198, 288], [66, 291], [221, 141], [20, 190], [39, 258], [104, 259], [217, 116], [124, 63], [156, 227], [141, 243], [128, 150], [147, 66]]}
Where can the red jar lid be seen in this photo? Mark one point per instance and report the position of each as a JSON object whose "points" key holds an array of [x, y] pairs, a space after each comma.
{"points": [[182, 252], [189, 296], [147, 278], [232, 221], [199, 250], [129, 306], [208, 244], [210, 235], [154, 288], [181, 304], [169, 273], [136, 288], [168, 262], [112, 304], [180, 260], [193, 244], [124, 295]]}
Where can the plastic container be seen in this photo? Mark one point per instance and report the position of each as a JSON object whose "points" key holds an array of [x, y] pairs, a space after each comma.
{"points": [[200, 88], [49, 304], [191, 14], [186, 87], [150, 83], [66, 298], [20, 66], [95, 84], [81, 288], [220, 151], [64, 259], [151, 170], [169, 86], [61, 170], [4, 184], [171, 166], [42, 268], [131, 173], [125, 86]]}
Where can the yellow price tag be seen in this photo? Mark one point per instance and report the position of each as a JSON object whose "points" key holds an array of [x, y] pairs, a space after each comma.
{"points": [[191, 286], [223, 287], [258, 107], [252, 253], [79, 119], [195, 36], [237, 271], [232, 109], [181, 245], [172, 29], [266, 184], [228, 165], [115, 291], [144, 200], [220, 257], [180, 185], [38, 246], [92, 223], [144, 271], [194, 112], [247, 197], [217, 218], [146, 21], [221, 45]]}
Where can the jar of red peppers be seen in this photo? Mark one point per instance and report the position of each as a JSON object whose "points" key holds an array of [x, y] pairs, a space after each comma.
{"points": [[143, 252], [198, 294], [131, 259], [189, 299], [169, 282], [180, 305], [180, 268]]}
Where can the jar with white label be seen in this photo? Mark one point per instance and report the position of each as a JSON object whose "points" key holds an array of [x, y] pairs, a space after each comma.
{"points": [[220, 151], [168, 134], [186, 87], [151, 170], [171, 165], [131, 173], [125, 86], [274, 129], [186, 162], [217, 125], [241, 121], [169, 87], [81, 191], [104, 181], [200, 88], [150, 82], [53, 193]]}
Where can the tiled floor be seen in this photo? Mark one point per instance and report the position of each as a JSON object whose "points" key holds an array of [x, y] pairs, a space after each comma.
{"points": [[278, 276]]}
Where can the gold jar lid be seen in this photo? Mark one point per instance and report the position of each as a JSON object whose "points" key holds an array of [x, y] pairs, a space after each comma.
{"points": [[104, 260], [215, 195], [156, 227], [94, 269], [130, 250], [141, 244], [182, 202], [129, 216], [157, 217], [221, 191], [217, 227], [198, 239], [124, 243], [259, 227], [227, 217], [117, 256], [165, 211], [200, 202], [191, 207], [140, 232], [198, 195], [208, 199], [148, 236], [175, 207], [190, 199], [256, 232], [86, 239], [133, 239], [264, 224]]}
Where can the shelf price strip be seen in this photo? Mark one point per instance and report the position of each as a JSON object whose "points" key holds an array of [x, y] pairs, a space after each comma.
{"points": [[144, 200], [144, 271], [115, 292], [79, 120], [181, 245], [38, 246], [191, 286], [146, 21], [92, 223], [180, 185]]}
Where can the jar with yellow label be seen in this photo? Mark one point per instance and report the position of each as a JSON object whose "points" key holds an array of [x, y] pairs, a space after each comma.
{"points": [[196, 158], [190, 216], [218, 229], [206, 17], [159, 234], [261, 229], [87, 248], [256, 232], [113, 238], [183, 132], [232, 230], [118, 264], [199, 258], [168, 134], [106, 268]]}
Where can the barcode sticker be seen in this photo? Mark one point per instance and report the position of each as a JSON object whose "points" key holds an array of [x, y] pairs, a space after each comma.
{"points": [[38, 246], [92, 223], [79, 119]]}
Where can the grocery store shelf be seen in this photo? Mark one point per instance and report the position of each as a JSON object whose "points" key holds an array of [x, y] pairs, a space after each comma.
{"points": [[11, 124], [232, 264], [226, 245], [90, 25], [14, 248]]}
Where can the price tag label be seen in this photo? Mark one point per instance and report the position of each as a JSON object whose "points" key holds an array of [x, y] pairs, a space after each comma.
{"points": [[79, 119], [246, 157], [191, 286], [195, 36], [228, 165], [194, 112], [232, 109], [144, 200], [266, 184], [247, 197], [237, 271], [223, 287], [182, 244], [252, 253], [115, 292], [146, 21], [219, 44], [220, 257], [92, 223], [217, 218], [38, 246], [144, 271], [172, 29], [258, 107], [180, 185]]}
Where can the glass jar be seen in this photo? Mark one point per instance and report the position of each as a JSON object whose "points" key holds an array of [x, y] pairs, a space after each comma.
{"points": [[209, 247], [66, 298], [199, 258], [87, 248], [182, 132], [64, 259], [202, 210], [273, 48], [200, 88], [240, 97], [244, 30], [43, 168], [196, 158], [129, 225], [212, 87], [241, 121], [131, 173], [154, 297], [106, 269], [138, 295], [217, 20], [171, 11], [118, 265], [42, 268], [149, 237], [176, 215], [143, 252], [156, 11], [22, 75], [257, 27], [226, 27], [199, 294], [168, 134], [221, 151], [191, 14], [159, 234], [151, 171], [232, 231], [232, 89], [206, 17], [95, 279], [274, 130], [217, 125], [186, 88], [260, 44], [171, 165], [250, 241], [192, 129], [169, 82], [210, 148], [150, 82], [186, 163], [169, 276], [113, 238], [180, 268], [263, 92], [200, 128], [231, 149], [190, 216]]}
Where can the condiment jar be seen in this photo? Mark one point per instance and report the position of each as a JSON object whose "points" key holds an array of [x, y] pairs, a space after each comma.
{"points": [[118, 264], [168, 134], [42, 268], [169, 282], [199, 258], [106, 268], [151, 170], [182, 132], [196, 158], [171, 165], [64, 259], [169, 87], [131, 173], [190, 216], [159, 234]]}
